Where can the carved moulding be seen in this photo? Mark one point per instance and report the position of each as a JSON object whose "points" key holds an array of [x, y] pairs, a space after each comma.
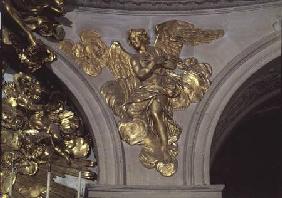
{"points": [[149, 85], [261, 86], [166, 5], [139, 191], [201, 131]]}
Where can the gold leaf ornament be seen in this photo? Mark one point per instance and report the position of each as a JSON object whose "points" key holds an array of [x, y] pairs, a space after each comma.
{"points": [[7, 178], [68, 121], [36, 132], [133, 132], [28, 168], [11, 139], [81, 148], [30, 117], [91, 53], [167, 169]]}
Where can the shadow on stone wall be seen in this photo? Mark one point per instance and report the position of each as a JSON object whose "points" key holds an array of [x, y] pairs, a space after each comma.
{"points": [[250, 161]]}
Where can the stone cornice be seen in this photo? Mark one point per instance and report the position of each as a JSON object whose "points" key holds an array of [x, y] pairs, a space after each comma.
{"points": [[105, 191], [165, 5]]}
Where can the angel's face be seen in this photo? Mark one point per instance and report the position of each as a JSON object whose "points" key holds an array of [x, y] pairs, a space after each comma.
{"points": [[136, 42], [138, 38]]}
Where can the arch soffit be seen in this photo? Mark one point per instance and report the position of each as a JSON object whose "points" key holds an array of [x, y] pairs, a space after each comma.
{"points": [[199, 136]]}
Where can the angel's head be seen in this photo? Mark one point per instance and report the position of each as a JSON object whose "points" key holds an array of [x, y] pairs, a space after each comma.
{"points": [[138, 38]]}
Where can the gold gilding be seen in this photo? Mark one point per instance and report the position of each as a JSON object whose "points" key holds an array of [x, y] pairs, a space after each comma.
{"points": [[148, 85], [91, 51], [38, 126], [7, 178], [21, 18], [36, 132]]}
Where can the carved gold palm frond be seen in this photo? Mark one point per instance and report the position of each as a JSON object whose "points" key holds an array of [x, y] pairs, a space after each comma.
{"points": [[92, 54], [172, 35]]}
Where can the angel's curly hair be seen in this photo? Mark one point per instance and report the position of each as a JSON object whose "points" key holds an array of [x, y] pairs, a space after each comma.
{"points": [[141, 33]]}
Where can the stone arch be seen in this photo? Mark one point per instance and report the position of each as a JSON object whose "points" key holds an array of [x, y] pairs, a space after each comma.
{"points": [[100, 120], [205, 118], [258, 91]]}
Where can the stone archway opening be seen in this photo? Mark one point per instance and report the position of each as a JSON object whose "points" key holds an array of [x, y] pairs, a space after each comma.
{"points": [[246, 148]]}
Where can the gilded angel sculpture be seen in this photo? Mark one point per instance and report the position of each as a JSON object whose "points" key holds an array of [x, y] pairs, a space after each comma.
{"points": [[148, 85]]}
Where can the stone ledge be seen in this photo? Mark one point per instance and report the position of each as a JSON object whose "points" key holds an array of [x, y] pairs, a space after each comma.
{"points": [[108, 191]]}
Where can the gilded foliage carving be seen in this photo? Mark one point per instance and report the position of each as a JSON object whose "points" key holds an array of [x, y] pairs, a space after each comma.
{"points": [[40, 128]]}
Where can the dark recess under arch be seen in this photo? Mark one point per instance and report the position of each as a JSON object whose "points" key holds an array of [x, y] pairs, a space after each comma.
{"points": [[249, 159]]}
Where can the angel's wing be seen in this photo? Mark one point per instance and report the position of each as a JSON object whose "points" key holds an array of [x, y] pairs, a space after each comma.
{"points": [[171, 35], [91, 53], [119, 61], [118, 92], [120, 65]]}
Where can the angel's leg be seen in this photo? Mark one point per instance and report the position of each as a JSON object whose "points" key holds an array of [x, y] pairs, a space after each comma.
{"points": [[158, 115]]}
